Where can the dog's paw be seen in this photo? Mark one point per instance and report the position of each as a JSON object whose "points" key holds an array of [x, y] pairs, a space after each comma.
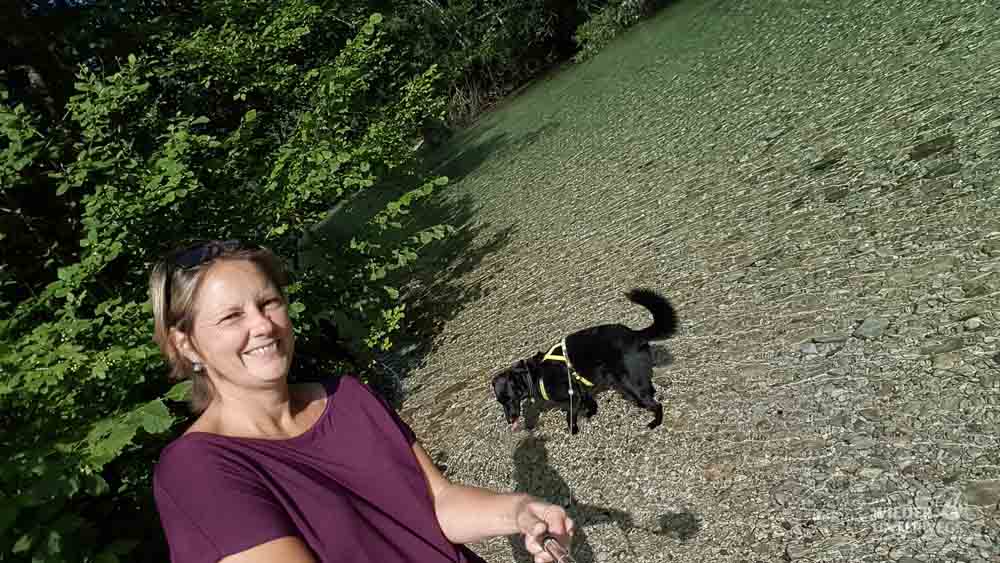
{"points": [[654, 424], [575, 430]]}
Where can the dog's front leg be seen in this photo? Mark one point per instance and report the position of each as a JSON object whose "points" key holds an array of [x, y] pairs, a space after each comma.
{"points": [[590, 404], [572, 413]]}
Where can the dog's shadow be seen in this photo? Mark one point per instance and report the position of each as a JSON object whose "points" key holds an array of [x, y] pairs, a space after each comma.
{"points": [[534, 475]]}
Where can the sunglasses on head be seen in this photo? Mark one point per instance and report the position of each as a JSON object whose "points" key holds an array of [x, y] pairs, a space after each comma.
{"points": [[197, 254], [205, 251]]}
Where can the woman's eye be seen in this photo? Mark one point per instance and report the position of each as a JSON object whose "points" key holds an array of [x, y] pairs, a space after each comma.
{"points": [[273, 302], [231, 316]]}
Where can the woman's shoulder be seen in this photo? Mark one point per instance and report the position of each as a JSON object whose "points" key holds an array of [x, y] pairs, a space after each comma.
{"points": [[189, 457], [339, 384]]}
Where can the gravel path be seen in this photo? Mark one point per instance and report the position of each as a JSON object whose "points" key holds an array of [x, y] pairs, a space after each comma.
{"points": [[815, 187]]}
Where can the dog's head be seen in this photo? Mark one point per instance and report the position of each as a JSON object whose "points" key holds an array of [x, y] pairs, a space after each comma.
{"points": [[510, 387]]}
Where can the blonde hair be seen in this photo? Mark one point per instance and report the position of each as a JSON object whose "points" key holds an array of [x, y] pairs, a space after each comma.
{"points": [[177, 310]]}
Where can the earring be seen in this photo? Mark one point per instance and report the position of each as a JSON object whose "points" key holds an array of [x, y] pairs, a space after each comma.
{"points": [[197, 367]]}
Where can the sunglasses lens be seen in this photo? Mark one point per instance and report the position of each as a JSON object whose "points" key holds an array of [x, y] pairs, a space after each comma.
{"points": [[203, 252]]}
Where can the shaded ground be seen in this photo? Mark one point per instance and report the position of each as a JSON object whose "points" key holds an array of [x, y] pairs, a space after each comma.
{"points": [[815, 186]]}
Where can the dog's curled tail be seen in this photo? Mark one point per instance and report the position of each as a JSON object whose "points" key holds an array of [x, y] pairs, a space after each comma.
{"points": [[664, 320]]}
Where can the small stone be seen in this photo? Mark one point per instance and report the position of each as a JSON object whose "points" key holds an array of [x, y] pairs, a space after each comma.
{"points": [[808, 348], [975, 323], [991, 247], [965, 313], [869, 414], [871, 472], [795, 552], [944, 169], [773, 134], [900, 278], [861, 443], [835, 194], [974, 289], [831, 349], [982, 493], [982, 542], [933, 146], [734, 276], [954, 294], [945, 361], [949, 345], [936, 188], [829, 339], [829, 159], [871, 328], [939, 265]]}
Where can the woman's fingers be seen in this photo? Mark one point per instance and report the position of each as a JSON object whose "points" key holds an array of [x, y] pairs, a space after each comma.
{"points": [[533, 543], [557, 521], [541, 520]]}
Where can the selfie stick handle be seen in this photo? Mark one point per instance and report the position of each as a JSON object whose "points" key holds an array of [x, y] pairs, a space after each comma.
{"points": [[556, 550]]}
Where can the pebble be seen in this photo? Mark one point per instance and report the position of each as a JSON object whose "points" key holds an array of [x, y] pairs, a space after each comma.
{"points": [[871, 328], [975, 323]]}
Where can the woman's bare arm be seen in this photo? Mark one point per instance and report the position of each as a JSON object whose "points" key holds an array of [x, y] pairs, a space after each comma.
{"points": [[288, 549], [470, 514]]}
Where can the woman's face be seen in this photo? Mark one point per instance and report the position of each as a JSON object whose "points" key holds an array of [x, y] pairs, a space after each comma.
{"points": [[241, 331]]}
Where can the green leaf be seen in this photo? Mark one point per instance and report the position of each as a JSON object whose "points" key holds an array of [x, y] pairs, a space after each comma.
{"points": [[375, 18], [180, 392], [250, 116], [296, 308], [131, 59], [96, 485], [201, 120], [441, 181], [23, 544], [393, 292], [54, 542], [154, 417]]}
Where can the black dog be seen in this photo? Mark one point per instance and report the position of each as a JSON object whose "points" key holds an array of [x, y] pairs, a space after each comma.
{"points": [[585, 362]]}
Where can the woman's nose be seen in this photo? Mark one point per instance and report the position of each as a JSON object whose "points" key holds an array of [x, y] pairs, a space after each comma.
{"points": [[260, 322]]}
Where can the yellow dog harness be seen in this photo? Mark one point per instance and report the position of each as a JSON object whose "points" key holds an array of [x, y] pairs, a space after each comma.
{"points": [[564, 358]]}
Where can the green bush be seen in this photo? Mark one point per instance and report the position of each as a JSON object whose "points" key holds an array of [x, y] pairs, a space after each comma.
{"points": [[607, 23], [594, 34], [234, 126]]}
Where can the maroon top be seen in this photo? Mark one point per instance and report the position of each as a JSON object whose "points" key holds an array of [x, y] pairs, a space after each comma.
{"points": [[350, 487]]}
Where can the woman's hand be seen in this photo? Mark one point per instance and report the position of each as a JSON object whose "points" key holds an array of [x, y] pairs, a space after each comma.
{"points": [[537, 519]]}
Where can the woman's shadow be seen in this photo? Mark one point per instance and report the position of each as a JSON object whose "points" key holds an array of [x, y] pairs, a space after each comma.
{"points": [[533, 475]]}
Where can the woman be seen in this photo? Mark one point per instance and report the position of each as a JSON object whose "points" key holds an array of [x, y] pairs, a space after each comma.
{"points": [[298, 473]]}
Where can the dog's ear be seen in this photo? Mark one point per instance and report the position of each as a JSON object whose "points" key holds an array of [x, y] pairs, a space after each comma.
{"points": [[498, 383]]}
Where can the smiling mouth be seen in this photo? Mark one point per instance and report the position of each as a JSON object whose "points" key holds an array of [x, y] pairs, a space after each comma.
{"points": [[264, 350]]}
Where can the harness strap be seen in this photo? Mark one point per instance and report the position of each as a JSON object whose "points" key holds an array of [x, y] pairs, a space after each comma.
{"points": [[541, 387], [562, 357]]}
